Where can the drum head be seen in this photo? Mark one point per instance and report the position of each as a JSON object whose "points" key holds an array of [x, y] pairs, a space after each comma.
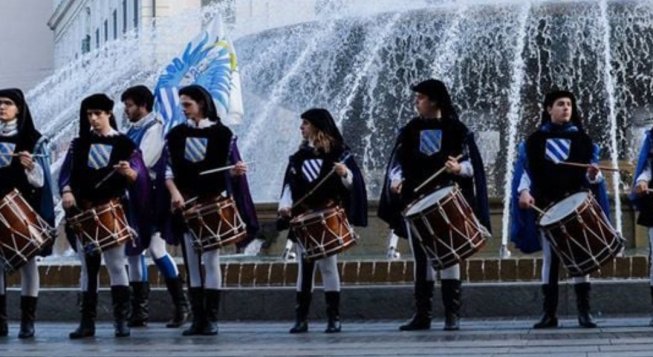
{"points": [[563, 208], [429, 200]]}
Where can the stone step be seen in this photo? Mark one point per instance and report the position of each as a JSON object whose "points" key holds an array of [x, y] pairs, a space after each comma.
{"points": [[610, 298], [246, 274]]}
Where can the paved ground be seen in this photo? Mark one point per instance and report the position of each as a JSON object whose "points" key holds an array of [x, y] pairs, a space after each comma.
{"points": [[617, 337]]}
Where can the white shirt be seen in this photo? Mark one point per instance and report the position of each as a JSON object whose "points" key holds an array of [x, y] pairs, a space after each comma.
{"points": [[152, 143], [525, 181], [646, 173], [396, 174]]}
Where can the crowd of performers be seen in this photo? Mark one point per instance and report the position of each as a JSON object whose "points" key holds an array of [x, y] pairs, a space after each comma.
{"points": [[132, 193]]}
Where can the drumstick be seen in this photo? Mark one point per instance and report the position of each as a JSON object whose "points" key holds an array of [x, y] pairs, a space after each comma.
{"points": [[577, 164], [219, 169], [105, 178], [436, 174], [319, 183], [16, 155], [190, 200], [539, 210], [186, 203]]}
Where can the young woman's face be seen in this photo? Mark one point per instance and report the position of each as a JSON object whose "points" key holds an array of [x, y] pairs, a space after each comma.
{"points": [[99, 120], [192, 109], [307, 129], [560, 111], [8, 109], [424, 106]]}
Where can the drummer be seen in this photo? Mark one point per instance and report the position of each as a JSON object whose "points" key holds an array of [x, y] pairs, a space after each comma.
{"points": [[642, 197], [429, 142], [146, 131], [203, 143], [540, 180], [323, 157], [29, 172], [100, 167]]}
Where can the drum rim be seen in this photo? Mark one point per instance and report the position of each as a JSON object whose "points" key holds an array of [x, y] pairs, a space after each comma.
{"points": [[565, 217], [101, 208], [406, 213], [308, 216], [199, 208], [9, 197], [337, 250]]}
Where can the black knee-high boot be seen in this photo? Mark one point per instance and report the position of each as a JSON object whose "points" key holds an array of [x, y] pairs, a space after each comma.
{"points": [[211, 308], [197, 306], [120, 297], [27, 316], [583, 305], [421, 320], [451, 300], [89, 312], [549, 306], [140, 304], [180, 302], [301, 312], [4, 327], [332, 299]]}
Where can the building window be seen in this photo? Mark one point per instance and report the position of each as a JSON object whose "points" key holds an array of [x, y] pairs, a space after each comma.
{"points": [[97, 37], [106, 30], [86, 44], [124, 16], [135, 14], [115, 24]]}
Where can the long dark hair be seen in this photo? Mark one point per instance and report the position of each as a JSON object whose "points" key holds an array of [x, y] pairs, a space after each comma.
{"points": [[204, 99], [322, 120]]}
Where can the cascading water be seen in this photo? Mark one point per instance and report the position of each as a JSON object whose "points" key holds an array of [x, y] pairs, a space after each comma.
{"points": [[514, 114], [498, 58], [358, 59]]}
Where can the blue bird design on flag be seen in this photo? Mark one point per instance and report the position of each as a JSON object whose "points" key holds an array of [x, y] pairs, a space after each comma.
{"points": [[208, 60]]}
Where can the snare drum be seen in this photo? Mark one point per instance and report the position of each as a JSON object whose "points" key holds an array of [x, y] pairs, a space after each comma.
{"points": [[214, 223], [23, 233], [580, 233], [323, 233], [101, 227], [446, 227]]}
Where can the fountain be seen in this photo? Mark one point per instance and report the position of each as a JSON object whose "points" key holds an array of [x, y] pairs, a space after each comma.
{"points": [[359, 58]]}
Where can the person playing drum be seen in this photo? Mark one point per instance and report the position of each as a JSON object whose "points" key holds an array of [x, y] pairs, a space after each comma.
{"points": [[203, 143], [100, 167], [323, 157], [541, 178], [642, 197], [24, 165], [146, 131], [429, 142]]}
